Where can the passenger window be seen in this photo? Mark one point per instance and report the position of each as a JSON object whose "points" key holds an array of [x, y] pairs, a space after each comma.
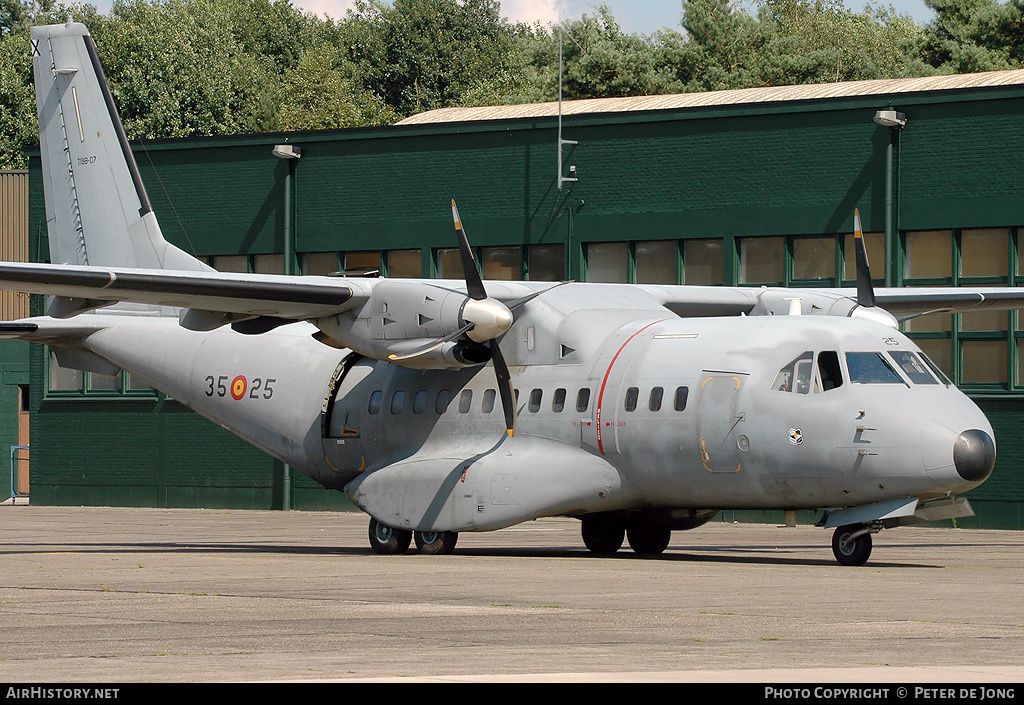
{"points": [[397, 402], [632, 394], [796, 376], [583, 400], [376, 402], [681, 394], [871, 368], [488, 404], [443, 397], [419, 402], [465, 401], [655, 401], [913, 367], [558, 403], [829, 371], [535, 398]]}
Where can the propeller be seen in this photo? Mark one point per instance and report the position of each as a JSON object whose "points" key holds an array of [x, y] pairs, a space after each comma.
{"points": [[485, 320], [865, 291]]}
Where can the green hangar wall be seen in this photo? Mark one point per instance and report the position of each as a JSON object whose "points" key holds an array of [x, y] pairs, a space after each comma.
{"points": [[752, 187]]}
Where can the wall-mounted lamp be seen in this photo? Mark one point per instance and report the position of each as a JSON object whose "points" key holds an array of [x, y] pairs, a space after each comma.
{"points": [[890, 118], [287, 151]]}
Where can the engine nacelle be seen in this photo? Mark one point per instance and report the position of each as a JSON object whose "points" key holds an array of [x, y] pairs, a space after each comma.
{"points": [[805, 302], [402, 317]]}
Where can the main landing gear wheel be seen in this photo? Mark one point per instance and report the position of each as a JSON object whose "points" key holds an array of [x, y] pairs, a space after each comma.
{"points": [[386, 540], [436, 542], [649, 539], [602, 535], [851, 544]]}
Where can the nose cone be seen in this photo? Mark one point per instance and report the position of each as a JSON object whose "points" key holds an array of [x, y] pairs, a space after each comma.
{"points": [[974, 455]]}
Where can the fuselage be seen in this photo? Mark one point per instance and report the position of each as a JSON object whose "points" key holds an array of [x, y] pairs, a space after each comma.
{"points": [[748, 412]]}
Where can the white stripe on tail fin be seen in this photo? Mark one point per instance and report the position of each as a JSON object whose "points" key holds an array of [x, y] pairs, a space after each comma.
{"points": [[97, 210]]}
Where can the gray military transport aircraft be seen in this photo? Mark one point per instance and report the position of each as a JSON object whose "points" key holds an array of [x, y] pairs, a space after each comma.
{"points": [[439, 408]]}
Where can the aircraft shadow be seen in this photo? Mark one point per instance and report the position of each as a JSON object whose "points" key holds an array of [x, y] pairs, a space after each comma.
{"points": [[723, 554]]}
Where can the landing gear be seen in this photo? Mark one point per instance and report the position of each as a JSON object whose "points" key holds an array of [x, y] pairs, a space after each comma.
{"points": [[436, 542], [649, 539], [386, 540], [851, 544], [603, 536]]}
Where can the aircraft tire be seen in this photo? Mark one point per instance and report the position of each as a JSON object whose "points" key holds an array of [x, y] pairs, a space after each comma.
{"points": [[387, 541], [649, 539], [439, 543], [602, 535], [854, 552]]}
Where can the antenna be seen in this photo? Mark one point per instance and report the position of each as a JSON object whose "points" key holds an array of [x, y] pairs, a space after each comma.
{"points": [[561, 142]]}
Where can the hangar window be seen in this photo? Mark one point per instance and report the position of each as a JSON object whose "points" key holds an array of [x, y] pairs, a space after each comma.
{"points": [[64, 382], [608, 262], [703, 262], [545, 263], [656, 262], [762, 260], [814, 258], [501, 263], [320, 263], [404, 264]]}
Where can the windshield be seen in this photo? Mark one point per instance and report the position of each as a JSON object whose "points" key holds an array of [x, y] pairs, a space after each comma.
{"points": [[871, 368], [913, 367]]}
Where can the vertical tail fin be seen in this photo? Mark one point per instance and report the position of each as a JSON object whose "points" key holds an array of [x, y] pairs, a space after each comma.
{"points": [[97, 210]]}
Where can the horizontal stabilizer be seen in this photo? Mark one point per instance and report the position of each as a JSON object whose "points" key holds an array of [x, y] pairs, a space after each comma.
{"points": [[46, 330]]}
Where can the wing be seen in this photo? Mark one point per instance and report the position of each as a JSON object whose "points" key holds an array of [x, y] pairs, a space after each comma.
{"points": [[232, 296]]}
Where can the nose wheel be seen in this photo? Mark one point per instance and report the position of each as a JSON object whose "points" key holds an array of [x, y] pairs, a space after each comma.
{"points": [[851, 544]]}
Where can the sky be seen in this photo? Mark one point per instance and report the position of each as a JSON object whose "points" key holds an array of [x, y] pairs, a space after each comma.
{"points": [[640, 16]]}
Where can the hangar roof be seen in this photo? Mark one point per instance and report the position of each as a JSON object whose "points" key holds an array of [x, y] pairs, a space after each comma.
{"points": [[769, 94]]}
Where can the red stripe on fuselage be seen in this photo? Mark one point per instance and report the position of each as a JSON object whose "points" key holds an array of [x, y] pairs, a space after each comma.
{"points": [[604, 382]]}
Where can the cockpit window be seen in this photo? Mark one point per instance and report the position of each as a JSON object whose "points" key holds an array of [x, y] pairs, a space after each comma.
{"points": [[829, 372], [938, 372], [913, 367], [796, 376], [871, 368]]}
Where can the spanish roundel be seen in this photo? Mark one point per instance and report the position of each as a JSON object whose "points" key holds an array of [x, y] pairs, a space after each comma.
{"points": [[238, 385]]}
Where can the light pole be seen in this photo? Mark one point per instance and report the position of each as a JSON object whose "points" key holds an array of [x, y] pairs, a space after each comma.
{"points": [[291, 154], [895, 121]]}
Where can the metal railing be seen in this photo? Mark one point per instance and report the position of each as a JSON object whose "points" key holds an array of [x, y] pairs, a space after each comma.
{"points": [[16, 458]]}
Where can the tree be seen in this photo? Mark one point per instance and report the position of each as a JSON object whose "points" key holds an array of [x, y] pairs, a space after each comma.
{"points": [[422, 54]]}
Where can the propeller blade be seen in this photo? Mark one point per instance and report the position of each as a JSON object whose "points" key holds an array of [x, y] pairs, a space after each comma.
{"points": [[508, 394], [865, 291], [431, 346], [474, 285], [513, 305]]}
